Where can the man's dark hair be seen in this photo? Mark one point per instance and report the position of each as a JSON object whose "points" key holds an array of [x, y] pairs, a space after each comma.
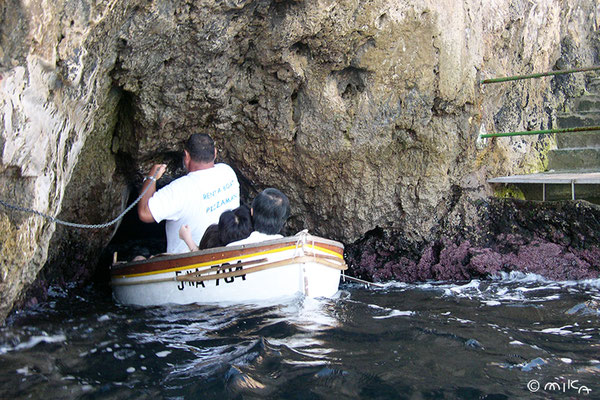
{"points": [[201, 147], [271, 209], [235, 225]]}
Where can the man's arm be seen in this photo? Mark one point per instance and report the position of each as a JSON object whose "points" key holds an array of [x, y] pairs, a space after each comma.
{"points": [[156, 172]]}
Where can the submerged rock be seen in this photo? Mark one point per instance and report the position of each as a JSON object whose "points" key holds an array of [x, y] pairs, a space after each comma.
{"points": [[473, 343], [590, 307]]}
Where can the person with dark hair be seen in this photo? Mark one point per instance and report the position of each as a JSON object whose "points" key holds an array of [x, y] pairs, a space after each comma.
{"points": [[233, 225], [270, 210], [196, 199], [236, 225], [209, 240]]}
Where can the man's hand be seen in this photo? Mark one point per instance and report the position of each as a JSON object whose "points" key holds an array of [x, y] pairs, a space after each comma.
{"points": [[157, 170]]}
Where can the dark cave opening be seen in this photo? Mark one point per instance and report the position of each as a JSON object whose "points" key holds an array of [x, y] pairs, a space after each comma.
{"points": [[132, 238], [135, 236]]}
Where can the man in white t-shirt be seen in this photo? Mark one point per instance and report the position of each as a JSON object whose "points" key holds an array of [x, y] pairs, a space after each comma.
{"points": [[270, 209], [196, 199]]}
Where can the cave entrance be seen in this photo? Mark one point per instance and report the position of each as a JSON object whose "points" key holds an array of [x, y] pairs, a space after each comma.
{"points": [[132, 238]]}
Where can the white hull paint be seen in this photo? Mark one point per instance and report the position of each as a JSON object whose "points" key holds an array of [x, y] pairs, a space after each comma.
{"points": [[299, 265]]}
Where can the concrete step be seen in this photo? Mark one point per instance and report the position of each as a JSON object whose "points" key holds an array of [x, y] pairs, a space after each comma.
{"points": [[580, 119], [588, 103], [578, 140], [593, 85], [573, 159]]}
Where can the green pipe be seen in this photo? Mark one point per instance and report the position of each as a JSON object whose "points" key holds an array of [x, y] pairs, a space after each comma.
{"points": [[540, 75], [542, 132]]}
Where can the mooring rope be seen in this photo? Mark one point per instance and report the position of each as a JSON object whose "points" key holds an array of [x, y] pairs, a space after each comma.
{"points": [[73, 224]]}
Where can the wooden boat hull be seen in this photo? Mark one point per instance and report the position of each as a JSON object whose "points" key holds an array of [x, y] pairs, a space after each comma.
{"points": [[297, 265]]}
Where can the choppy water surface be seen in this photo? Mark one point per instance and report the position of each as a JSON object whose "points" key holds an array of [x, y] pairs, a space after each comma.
{"points": [[514, 337]]}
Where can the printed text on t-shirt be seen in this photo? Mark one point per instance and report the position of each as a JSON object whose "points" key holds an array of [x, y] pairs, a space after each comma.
{"points": [[221, 203], [215, 192]]}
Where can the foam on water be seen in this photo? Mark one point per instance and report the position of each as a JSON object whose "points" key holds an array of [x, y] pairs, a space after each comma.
{"points": [[507, 288], [32, 342], [395, 313]]}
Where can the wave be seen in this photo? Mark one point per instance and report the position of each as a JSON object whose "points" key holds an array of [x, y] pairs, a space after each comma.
{"points": [[32, 342], [503, 288]]}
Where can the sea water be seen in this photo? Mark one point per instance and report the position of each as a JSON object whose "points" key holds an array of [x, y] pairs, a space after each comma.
{"points": [[515, 336]]}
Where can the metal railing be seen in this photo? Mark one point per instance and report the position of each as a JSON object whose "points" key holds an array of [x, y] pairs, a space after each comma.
{"points": [[541, 132], [540, 75]]}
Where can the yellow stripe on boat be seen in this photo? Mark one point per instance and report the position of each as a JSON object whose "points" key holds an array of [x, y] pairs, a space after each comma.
{"points": [[225, 260]]}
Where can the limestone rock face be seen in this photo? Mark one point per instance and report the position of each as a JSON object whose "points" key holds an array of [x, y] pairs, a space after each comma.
{"points": [[57, 104], [365, 113]]}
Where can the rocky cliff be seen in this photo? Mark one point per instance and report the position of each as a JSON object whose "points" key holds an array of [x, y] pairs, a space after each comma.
{"points": [[365, 113]]}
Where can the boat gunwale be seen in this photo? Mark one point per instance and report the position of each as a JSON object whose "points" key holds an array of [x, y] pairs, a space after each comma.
{"points": [[183, 260]]}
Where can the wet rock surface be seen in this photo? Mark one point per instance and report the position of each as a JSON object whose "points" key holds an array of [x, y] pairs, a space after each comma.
{"points": [[558, 240]]}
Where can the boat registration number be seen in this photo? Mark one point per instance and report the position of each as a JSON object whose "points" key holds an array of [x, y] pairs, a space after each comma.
{"points": [[221, 269]]}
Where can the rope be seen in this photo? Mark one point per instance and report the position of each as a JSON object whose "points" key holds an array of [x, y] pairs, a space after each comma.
{"points": [[353, 279], [73, 224], [302, 235]]}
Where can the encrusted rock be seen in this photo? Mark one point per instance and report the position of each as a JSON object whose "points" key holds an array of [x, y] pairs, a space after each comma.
{"points": [[558, 240]]}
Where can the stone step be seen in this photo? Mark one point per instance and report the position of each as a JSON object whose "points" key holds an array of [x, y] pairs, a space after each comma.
{"points": [[577, 140], [580, 119], [593, 85], [573, 159], [588, 103]]}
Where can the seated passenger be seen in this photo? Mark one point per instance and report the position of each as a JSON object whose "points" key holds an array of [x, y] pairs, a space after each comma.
{"points": [[270, 210], [233, 225], [210, 238]]}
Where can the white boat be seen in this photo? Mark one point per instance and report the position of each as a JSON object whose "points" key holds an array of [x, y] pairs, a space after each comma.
{"points": [[296, 265]]}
